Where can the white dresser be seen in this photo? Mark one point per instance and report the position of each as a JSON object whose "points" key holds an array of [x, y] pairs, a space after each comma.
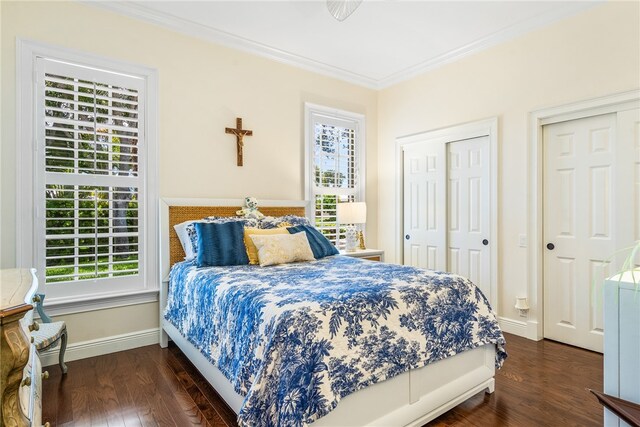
{"points": [[20, 371], [621, 342]]}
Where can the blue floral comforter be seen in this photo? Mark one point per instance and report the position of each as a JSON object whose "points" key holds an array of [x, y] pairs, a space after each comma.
{"points": [[296, 338]]}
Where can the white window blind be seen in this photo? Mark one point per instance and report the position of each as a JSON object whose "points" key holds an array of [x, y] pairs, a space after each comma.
{"points": [[336, 172], [90, 159]]}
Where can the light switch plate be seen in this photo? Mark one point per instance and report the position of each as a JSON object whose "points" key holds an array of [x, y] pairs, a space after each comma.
{"points": [[522, 240]]}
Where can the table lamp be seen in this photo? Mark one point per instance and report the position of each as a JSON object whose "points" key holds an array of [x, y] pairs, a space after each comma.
{"points": [[349, 214]]}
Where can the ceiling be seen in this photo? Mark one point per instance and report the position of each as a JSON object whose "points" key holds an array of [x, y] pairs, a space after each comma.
{"points": [[381, 43]]}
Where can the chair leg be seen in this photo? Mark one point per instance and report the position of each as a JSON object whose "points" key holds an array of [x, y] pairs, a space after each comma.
{"points": [[63, 348]]}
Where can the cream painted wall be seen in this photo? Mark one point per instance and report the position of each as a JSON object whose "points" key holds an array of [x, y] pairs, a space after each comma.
{"points": [[203, 87], [106, 323], [593, 54]]}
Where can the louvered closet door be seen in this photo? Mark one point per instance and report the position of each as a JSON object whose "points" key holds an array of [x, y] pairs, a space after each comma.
{"points": [[589, 214]]}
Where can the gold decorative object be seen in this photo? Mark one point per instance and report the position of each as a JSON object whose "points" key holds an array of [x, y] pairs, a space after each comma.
{"points": [[16, 287], [361, 245], [240, 134]]}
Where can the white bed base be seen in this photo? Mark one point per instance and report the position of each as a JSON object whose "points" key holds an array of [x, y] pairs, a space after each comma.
{"points": [[409, 399]]}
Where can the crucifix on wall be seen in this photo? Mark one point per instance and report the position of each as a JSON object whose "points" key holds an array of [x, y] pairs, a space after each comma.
{"points": [[240, 134]]}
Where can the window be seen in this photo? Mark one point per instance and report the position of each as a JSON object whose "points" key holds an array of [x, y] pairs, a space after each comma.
{"points": [[335, 172], [93, 223], [91, 181]]}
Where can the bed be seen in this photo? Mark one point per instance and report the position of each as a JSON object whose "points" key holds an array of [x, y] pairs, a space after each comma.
{"points": [[295, 336]]}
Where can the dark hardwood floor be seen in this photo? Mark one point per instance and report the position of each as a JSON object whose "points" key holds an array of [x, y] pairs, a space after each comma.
{"points": [[541, 384]]}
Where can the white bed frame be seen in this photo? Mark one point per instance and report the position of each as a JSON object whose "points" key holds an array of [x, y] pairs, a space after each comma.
{"points": [[409, 399]]}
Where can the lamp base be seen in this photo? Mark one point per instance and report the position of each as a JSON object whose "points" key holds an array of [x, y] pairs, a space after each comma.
{"points": [[351, 239]]}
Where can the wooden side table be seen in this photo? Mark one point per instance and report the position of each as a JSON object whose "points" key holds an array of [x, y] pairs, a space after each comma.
{"points": [[370, 254]]}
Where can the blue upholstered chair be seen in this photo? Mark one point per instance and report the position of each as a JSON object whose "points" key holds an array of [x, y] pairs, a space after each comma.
{"points": [[49, 333]]}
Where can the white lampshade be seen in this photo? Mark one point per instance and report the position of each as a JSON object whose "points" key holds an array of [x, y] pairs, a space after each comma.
{"points": [[352, 212]]}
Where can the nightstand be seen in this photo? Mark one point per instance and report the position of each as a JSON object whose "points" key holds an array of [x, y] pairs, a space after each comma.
{"points": [[370, 254]]}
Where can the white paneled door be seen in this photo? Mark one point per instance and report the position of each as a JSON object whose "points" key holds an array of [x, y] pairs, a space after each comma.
{"points": [[468, 210], [588, 214], [447, 208], [425, 199]]}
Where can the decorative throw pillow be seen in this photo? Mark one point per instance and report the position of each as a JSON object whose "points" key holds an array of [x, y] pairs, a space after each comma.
{"points": [[252, 251], [282, 248], [220, 244], [320, 245], [276, 221], [192, 236]]}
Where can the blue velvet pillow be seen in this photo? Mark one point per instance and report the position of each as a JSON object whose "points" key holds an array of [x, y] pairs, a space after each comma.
{"points": [[220, 244], [193, 236], [320, 245]]}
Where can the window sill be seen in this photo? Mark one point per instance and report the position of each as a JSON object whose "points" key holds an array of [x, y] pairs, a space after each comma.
{"points": [[72, 306]]}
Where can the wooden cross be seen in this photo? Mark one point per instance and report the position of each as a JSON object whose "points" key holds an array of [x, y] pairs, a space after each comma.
{"points": [[239, 133]]}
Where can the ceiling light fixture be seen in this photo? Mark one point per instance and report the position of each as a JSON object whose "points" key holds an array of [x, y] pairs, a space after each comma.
{"points": [[341, 9]]}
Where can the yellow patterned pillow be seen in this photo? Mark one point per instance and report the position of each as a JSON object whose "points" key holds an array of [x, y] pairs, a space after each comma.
{"points": [[282, 248], [252, 251]]}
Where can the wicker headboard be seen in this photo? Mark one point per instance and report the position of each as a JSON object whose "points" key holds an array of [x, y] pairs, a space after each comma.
{"points": [[178, 214]]}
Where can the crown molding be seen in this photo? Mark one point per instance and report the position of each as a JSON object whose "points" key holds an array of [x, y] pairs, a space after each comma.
{"points": [[226, 39], [223, 38], [487, 42]]}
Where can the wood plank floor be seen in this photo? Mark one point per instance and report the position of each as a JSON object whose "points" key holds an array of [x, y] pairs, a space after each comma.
{"points": [[541, 384]]}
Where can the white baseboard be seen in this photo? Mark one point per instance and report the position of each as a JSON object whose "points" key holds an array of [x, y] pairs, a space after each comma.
{"points": [[519, 327], [100, 346]]}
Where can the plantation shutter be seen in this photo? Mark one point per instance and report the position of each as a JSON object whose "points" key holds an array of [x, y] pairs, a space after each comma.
{"points": [[90, 138], [336, 170]]}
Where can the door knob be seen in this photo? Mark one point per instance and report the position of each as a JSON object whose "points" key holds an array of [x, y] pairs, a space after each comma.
{"points": [[485, 242], [551, 246], [407, 237]]}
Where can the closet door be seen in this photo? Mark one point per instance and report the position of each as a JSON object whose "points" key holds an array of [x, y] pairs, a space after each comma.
{"points": [[425, 229], [589, 214], [447, 210], [468, 211]]}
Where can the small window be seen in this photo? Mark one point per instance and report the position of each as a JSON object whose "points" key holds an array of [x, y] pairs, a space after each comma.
{"points": [[335, 147]]}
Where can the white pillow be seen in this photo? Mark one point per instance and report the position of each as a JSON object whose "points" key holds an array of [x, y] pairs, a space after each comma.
{"points": [[282, 248], [185, 239]]}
